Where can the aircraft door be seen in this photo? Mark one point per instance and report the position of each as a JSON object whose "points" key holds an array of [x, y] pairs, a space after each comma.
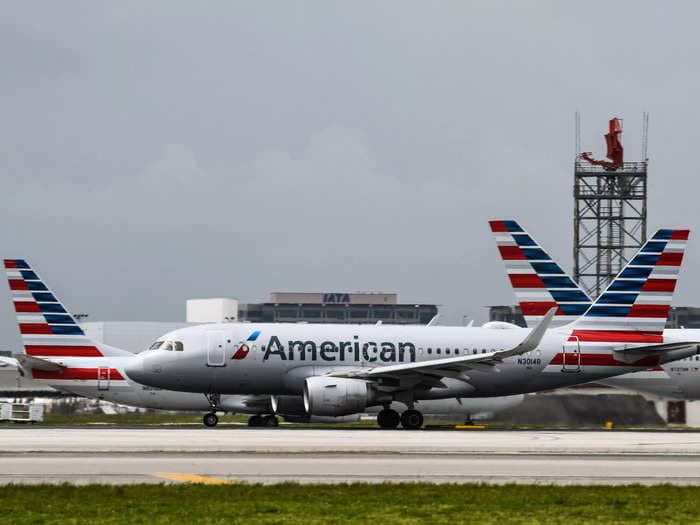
{"points": [[103, 378], [216, 355], [571, 356]]}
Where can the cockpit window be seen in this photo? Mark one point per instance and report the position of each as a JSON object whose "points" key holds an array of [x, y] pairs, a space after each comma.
{"points": [[178, 346], [156, 345], [168, 345]]}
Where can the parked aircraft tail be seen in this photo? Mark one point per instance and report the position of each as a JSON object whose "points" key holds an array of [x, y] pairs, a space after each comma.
{"points": [[635, 305], [538, 282], [46, 327]]}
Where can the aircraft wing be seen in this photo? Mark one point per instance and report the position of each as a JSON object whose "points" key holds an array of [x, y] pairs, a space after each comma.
{"points": [[453, 366]]}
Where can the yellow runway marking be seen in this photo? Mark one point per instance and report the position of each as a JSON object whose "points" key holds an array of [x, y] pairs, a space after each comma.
{"points": [[470, 427], [194, 478]]}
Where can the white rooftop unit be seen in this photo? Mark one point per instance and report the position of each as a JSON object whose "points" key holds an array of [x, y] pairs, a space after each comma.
{"points": [[215, 310]]}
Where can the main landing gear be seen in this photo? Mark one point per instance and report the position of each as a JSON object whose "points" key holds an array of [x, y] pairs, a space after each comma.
{"points": [[210, 419], [410, 419], [263, 421]]}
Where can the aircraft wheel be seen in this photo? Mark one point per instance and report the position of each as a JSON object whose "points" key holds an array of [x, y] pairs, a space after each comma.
{"points": [[255, 421], [411, 420], [388, 418], [210, 419], [270, 421]]}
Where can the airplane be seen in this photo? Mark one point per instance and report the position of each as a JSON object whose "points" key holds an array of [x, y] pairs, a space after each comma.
{"points": [[540, 283], [343, 369], [58, 353]]}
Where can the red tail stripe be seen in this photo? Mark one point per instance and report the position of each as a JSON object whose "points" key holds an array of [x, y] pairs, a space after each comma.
{"points": [[616, 336], [659, 285], [602, 360], [659, 311], [512, 253], [10, 263], [18, 284], [670, 259], [525, 280], [27, 307], [82, 374], [538, 308], [62, 351], [680, 235], [498, 226], [34, 328]]}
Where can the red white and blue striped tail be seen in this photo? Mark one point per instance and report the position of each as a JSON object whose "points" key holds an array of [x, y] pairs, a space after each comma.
{"points": [[635, 306], [538, 282], [46, 327]]}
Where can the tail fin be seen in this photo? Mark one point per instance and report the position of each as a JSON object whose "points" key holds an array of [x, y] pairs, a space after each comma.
{"points": [[635, 306], [46, 327], [538, 282]]}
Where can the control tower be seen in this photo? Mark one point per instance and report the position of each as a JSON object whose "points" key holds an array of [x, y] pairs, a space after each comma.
{"points": [[610, 209]]}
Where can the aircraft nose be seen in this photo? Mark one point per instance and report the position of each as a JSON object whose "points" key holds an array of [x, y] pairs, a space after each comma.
{"points": [[138, 370]]}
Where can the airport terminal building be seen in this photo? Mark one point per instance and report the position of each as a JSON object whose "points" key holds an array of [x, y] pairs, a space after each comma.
{"points": [[311, 307]]}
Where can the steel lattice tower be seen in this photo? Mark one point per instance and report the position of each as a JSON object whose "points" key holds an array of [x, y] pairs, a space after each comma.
{"points": [[610, 215]]}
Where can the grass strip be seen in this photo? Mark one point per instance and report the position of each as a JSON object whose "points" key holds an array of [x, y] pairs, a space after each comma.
{"points": [[404, 503]]}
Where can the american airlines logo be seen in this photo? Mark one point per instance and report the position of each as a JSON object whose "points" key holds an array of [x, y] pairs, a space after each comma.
{"points": [[244, 349]]}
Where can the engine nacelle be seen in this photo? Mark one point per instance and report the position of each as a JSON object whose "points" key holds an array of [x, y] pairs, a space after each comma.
{"points": [[335, 396]]}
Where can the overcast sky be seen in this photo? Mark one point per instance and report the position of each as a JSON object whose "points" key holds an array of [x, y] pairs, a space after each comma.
{"points": [[156, 151]]}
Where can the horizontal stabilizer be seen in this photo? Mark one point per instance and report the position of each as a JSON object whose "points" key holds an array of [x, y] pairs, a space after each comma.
{"points": [[30, 362]]}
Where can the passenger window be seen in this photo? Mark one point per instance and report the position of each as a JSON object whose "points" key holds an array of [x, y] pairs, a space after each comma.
{"points": [[474, 351], [483, 350], [447, 351], [178, 346], [430, 350], [438, 351]]}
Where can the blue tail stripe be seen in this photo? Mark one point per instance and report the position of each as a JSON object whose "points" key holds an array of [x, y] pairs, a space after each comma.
{"points": [[608, 311], [636, 273], [59, 329], [512, 226], [645, 259], [654, 246], [58, 319], [29, 275], [547, 267], [523, 239], [663, 235], [569, 296], [44, 297], [537, 254], [574, 309], [51, 308], [617, 298], [626, 286], [36, 286], [556, 281]]}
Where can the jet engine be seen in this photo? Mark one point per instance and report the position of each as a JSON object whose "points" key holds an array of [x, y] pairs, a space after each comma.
{"points": [[335, 396]]}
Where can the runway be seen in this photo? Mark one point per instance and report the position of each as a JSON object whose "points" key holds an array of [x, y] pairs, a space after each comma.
{"points": [[164, 455]]}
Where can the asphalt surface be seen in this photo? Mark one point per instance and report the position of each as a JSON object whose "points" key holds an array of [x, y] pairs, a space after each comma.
{"points": [[165, 455]]}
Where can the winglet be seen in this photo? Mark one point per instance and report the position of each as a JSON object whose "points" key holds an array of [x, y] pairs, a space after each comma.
{"points": [[534, 338]]}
